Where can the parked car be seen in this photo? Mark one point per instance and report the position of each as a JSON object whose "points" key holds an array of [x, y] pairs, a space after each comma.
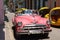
{"points": [[55, 16], [30, 22], [20, 11], [44, 11]]}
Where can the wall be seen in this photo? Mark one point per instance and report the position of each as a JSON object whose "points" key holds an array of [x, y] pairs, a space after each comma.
{"points": [[1, 12], [58, 3], [51, 3]]}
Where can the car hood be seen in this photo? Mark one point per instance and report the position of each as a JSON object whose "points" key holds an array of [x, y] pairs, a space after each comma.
{"points": [[31, 19]]}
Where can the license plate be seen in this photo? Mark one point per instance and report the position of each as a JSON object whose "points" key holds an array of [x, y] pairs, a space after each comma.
{"points": [[35, 31]]}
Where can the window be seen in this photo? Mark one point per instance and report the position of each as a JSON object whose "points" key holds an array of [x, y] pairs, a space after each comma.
{"points": [[28, 11]]}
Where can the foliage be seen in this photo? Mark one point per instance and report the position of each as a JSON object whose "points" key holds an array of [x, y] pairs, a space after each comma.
{"points": [[6, 2]]}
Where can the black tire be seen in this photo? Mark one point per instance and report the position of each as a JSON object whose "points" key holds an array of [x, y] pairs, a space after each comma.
{"points": [[46, 35], [15, 34]]}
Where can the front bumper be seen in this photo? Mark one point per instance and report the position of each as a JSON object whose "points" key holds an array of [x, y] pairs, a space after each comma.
{"points": [[33, 31]]}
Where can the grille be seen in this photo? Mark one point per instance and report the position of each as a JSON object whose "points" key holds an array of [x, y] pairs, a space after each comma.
{"points": [[34, 27]]}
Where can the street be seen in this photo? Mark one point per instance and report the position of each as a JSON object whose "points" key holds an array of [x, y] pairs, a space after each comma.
{"points": [[54, 35]]}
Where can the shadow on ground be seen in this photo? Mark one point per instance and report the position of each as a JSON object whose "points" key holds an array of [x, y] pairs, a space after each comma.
{"points": [[31, 37], [58, 27], [2, 33]]}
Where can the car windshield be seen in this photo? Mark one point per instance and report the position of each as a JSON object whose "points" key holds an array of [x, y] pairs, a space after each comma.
{"points": [[28, 12]]}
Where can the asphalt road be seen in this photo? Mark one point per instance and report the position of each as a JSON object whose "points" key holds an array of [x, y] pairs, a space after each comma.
{"points": [[54, 35]]}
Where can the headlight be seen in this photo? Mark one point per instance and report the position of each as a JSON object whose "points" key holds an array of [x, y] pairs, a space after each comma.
{"points": [[19, 23], [48, 22]]}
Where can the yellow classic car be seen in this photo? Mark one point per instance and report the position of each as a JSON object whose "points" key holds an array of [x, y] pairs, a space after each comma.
{"points": [[44, 11], [55, 16], [19, 11]]}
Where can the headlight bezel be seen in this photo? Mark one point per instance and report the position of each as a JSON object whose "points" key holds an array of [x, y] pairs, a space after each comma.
{"points": [[19, 24]]}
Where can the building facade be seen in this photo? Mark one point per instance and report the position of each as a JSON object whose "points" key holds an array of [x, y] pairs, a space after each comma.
{"points": [[58, 3], [35, 4], [1, 12], [53, 3]]}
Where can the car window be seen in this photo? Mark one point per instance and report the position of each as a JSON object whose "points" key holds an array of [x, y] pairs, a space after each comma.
{"points": [[28, 12]]}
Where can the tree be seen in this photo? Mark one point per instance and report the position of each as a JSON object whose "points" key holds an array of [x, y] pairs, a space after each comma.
{"points": [[6, 2]]}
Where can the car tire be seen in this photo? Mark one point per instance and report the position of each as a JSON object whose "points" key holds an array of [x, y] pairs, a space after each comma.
{"points": [[46, 35], [16, 35]]}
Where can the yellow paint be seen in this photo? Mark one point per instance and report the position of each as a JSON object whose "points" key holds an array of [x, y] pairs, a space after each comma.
{"points": [[47, 16], [57, 23], [21, 9], [53, 9], [43, 8]]}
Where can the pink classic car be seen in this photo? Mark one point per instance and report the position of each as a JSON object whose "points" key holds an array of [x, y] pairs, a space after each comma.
{"points": [[31, 23]]}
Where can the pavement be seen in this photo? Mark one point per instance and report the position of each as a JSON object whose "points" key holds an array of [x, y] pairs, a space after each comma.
{"points": [[8, 26]]}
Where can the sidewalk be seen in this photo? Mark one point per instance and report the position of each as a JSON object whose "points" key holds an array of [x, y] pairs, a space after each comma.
{"points": [[8, 26]]}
